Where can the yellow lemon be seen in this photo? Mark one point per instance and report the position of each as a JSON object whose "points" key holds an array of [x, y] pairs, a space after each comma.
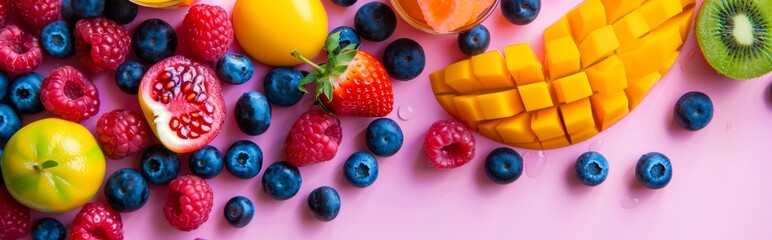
{"points": [[269, 30], [53, 165]]}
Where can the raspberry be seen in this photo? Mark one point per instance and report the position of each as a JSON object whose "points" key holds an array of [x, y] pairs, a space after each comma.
{"points": [[449, 144], [189, 203], [208, 31], [36, 14], [122, 132], [15, 221], [314, 138], [20, 51], [101, 44], [96, 221], [3, 12], [68, 94]]}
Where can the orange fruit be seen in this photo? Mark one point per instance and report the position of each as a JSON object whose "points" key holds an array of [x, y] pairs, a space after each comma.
{"points": [[412, 9], [446, 15], [478, 6]]}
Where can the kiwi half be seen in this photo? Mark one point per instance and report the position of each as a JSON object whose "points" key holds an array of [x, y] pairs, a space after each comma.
{"points": [[736, 36]]}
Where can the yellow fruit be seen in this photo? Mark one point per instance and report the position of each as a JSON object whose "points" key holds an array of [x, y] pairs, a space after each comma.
{"points": [[53, 165], [269, 30], [600, 61]]}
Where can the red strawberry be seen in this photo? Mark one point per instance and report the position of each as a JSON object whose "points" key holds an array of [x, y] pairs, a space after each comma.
{"points": [[96, 221], [15, 221], [449, 144], [314, 138], [20, 51], [101, 44], [189, 203], [351, 83], [122, 132], [68, 94], [208, 31], [3, 12], [36, 14]]}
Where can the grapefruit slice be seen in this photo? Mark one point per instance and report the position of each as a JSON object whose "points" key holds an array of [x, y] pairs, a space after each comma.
{"points": [[478, 6], [446, 15]]}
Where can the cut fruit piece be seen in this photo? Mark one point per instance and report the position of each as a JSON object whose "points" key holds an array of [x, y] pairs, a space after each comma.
{"points": [[437, 79], [630, 28], [607, 75], [667, 64], [536, 96], [523, 65], [585, 18], [616, 9], [683, 21], [446, 15], [546, 123], [608, 108], [412, 9], [736, 37], [638, 88], [583, 135], [460, 77], [647, 54], [562, 57], [598, 45], [557, 142], [468, 109], [657, 12], [488, 129], [572, 88], [559, 29], [577, 116], [446, 102], [500, 104], [478, 7], [491, 70], [516, 129]]}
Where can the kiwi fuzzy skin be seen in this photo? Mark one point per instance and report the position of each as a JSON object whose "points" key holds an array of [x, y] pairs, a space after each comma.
{"points": [[737, 61]]}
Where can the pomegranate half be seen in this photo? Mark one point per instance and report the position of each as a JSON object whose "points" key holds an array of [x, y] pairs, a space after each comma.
{"points": [[182, 102]]}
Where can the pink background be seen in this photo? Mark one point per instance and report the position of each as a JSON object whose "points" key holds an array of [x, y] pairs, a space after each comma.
{"points": [[720, 187]]}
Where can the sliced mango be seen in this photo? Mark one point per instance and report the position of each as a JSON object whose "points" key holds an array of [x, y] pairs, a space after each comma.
{"points": [[646, 55], [608, 75], [446, 102], [585, 18], [460, 77], [491, 70], [559, 29], [535, 96], [616, 9], [638, 88], [630, 28], [488, 129], [562, 57], [600, 44], [437, 79], [583, 135], [557, 142], [500, 104], [657, 12], [516, 129], [523, 65], [530, 145], [546, 123], [577, 116], [572, 88], [468, 109], [609, 108], [668, 63]]}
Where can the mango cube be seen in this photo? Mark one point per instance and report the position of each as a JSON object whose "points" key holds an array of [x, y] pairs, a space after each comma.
{"points": [[557, 142], [657, 12], [638, 88], [682, 21], [516, 129], [437, 79], [572, 88], [577, 116], [523, 65], [630, 28], [491, 70], [535, 96], [500, 104], [488, 129], [583, 135], [607, 75], [599, 44], [446, 102], [585, 18], [562, 57], [546, 123], [559, 29], [668, 63], [616, 9], [608, 108], [646, 55], [460, 77], [467, 108]]}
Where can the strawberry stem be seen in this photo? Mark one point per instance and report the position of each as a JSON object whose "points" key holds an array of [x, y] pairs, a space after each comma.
{"points": [[295, 53]]}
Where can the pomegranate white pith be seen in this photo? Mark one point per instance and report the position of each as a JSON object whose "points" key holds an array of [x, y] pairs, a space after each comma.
{"points": [[182, 101]]}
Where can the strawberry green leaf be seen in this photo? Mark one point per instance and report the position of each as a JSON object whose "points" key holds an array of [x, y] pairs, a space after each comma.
{"points": [[332, 45], [328, 91], [306, 80], [344, 58], [338, 70], [349, 47]]}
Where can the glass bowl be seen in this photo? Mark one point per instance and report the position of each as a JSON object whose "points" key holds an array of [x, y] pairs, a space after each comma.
{"points": [[411, 13]]}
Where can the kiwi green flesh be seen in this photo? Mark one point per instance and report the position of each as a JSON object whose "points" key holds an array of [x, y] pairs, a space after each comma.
{"points": [[736, 36]]}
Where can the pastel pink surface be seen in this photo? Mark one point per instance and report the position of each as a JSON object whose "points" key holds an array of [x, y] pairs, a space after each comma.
{"points": [[720, 187]]}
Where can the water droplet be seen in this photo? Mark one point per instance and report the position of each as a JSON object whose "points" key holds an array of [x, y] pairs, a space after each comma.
{"points": [[630, 203], [595, 147], [534, 163], [405, 112], [728, 126]]}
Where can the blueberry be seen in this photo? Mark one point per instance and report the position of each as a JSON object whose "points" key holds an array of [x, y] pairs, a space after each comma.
{"points": [[347, 36], [24, 93], [88, 8], [57, 40], [234, 68], [281, 86], [591, 168], [244, 159], [126, 190], [344, 3], [9, 123], [693, 111], [129, 75], [48, 229], [384, 137], [503, 165], [3, 85], [324, 202], [121, 11], [520, 12], [375, 21], [253, 113], [153, 40], [239, 211], [160, 165], [404, 59], [68, 13], [474, 41], [654, 170], [281, 180], [205, 162], [361, 169]]}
